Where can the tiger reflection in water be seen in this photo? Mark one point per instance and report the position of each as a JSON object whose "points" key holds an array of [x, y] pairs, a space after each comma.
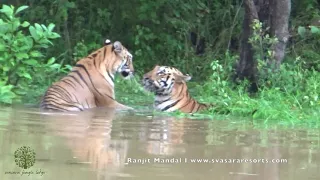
{"points": [[88, 136], [165, 140]]}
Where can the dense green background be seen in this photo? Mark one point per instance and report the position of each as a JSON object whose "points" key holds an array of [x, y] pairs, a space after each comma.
{"points": [[158, 32]]}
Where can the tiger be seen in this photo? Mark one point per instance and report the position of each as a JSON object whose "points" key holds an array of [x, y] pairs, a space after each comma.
{"points": [[90, 83], [171, 91]]}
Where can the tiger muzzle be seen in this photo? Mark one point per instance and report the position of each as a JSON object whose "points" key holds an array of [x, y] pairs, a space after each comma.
{"points": [[148, 84], [126, 72]]}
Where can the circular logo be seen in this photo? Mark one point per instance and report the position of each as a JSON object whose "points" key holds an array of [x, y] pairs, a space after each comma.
{"points": [[25, 157]]}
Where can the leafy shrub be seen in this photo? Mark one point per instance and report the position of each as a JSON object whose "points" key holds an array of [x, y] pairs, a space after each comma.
{"points": [[22, 48]]}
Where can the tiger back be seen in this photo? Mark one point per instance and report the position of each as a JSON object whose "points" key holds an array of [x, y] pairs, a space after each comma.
{"points": [[91, 82], [171, 91]]}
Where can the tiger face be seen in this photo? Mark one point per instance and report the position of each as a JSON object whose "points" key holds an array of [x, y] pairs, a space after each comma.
{"points": [[124, 65], [161, 79]]}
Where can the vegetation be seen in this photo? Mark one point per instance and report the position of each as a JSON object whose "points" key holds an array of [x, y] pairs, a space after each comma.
{"points": [[198, 37], [22, 48]]}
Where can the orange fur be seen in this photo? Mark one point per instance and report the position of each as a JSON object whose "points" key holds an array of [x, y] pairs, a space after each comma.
{"points": [[91, 82], [170, 88]]}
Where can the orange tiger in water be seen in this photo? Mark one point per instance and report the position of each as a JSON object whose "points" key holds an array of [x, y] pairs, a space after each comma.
{"points": [[171, 91], [91, 82]]}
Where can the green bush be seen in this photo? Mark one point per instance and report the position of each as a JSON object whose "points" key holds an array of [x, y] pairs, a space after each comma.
{"points": [[22, 59]]}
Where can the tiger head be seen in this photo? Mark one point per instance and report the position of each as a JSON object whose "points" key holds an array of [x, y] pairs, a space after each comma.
{"points": [[162, 79], [123, 63]]}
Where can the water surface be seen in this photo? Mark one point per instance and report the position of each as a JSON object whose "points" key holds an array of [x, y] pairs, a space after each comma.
{"points": [[102, 144]]}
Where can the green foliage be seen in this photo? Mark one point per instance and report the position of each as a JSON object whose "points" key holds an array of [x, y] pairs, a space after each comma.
{"points": [[21, 53], [263, 46], [152, 30], [132, 93], [293, 96], [305, 33], [289, 95], [80, 51], [310, 31], [6, 94]]}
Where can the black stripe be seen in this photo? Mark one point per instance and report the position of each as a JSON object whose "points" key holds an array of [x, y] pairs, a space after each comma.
{"points": [[159, 92], [66, 81], [55, 107], [194, 104], [66, 91], [95, 54], [52, 94], [72, 82], [160, 102], [87, 103], [94, 60], [46, 102], [110, 76], [168, 78], [184, 86], [82, 66], [79, 74], [77, 99], [94, 63], [198, 107], [53, 99], [89, 76], [171, 105], [100, 62], [105, 52], [96, 100], [74, 78], [58, 91], [187, 94], [69, 98], [61, 106], [187, 103]]}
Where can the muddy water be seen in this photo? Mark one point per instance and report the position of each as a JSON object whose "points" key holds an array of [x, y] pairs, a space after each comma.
{"points": [[103, 144]]}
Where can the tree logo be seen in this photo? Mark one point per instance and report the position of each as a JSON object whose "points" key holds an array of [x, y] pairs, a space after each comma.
{"points": [[25, 157]]}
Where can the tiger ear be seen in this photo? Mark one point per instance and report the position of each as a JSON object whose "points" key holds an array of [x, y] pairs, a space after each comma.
{"points": [[117, 47], [182, 78], [107, 42]]}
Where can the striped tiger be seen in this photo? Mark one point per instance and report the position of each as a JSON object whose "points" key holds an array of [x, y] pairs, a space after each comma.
{"points": [[90, 84], [171, 91]]}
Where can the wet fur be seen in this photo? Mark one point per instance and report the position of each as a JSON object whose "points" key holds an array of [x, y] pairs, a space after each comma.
{"points": [[91, 82], [171, 91]]}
